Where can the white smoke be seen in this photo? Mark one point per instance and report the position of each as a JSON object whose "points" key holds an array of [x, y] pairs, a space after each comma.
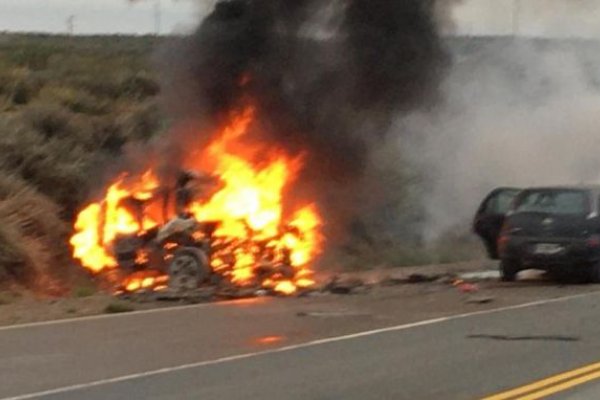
{"points": [[559, 18], [516, 113]]}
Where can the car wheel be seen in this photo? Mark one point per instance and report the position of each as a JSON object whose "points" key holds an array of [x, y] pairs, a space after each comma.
{"points": [[509, 270], [188, 268]]}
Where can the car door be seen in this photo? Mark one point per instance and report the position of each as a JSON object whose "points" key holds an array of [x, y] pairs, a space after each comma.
{"points": [[490, 217]]}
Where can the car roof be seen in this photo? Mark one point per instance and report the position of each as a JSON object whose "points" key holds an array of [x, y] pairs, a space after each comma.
{"points": [[587, 187], [565, 187]]}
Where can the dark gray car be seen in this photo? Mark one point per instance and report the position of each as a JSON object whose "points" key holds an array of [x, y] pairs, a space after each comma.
{"points": [[556, 229]]}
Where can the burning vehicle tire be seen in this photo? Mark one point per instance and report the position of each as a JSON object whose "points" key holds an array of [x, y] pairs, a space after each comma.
{"points": [[188, 269]]}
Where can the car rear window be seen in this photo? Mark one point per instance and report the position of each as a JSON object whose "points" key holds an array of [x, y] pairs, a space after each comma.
{"points": [[553, 201]]}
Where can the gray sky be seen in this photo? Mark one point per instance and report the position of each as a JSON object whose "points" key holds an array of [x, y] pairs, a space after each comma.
{"points": [[579, 18], [97, 16]]}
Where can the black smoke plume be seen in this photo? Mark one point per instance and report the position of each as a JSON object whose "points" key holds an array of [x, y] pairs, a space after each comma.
{"points": [[327, 77]]}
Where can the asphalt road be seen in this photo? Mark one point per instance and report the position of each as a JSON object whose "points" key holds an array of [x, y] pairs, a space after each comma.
{"points": [[286, 349]]}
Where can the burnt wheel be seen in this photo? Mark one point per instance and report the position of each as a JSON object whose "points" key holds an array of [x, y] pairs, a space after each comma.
{"points": [[188, 268], [509, 270]]}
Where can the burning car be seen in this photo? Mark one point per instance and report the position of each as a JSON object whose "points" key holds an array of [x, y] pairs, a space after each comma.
{"points": [[556, 229], [229, 224]]}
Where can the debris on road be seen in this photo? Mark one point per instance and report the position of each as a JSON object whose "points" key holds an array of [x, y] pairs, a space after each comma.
{"points": [[422, 278], [364, 287], [414, 278], [465, 287], [331, 314], [392, 281], [479, 300], [339, 285], [336, 284], [510, 338]]}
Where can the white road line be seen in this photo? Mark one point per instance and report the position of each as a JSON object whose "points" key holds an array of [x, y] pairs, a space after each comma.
{"points": [[289, 348], [125, 314]]}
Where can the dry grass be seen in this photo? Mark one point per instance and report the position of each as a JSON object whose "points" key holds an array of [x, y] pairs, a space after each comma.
{"points": [[32, 235], [118, 308], [68, 108]]}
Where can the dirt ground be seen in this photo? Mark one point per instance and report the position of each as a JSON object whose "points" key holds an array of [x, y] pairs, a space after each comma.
{"points": [[482, 290]]}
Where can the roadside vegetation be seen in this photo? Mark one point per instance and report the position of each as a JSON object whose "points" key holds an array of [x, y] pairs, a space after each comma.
{"points": [[118, 308], [68, 108]]}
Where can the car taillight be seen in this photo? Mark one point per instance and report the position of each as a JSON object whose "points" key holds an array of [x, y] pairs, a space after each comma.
{"points": [[502, 242], [509, 230], [593, 241]]}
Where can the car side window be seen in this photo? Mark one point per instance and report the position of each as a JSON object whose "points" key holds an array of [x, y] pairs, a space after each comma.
{"points": [[501, 202]]}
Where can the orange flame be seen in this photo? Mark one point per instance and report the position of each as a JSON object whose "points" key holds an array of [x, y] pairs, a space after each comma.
{"points": [[148, 280], [255, 229], [99, 224], [286, 287]]}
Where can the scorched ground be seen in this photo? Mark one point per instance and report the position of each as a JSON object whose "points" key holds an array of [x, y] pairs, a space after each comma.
{"points": [[224, 219]]}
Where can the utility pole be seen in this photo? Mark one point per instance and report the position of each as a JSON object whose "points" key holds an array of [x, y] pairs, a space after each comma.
{"points": [[516, 17], [157, 17], [71, 25]]}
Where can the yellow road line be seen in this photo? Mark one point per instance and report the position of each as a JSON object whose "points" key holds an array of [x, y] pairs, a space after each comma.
{"points": [[544, 383], [561, 387]]}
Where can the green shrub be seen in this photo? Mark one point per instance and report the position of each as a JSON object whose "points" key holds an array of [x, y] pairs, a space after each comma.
{"points": [[139, 87], [100, 87], [108, 135], [15, 144], [83, 291], [49, 120], [117, 308], [33, 57], [83, 103], [67, 108], [21, 86], [32, 235], [76, 101], [57, 167], [21, 93], [61, 169], [15, 261], [144, 122], [5, 85]]}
